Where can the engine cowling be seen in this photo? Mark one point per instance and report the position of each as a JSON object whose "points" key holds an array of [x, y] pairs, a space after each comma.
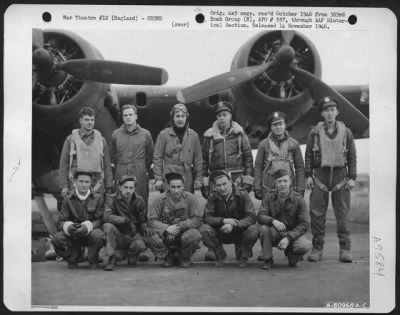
{"points": [[271, 91], [57, 97]]}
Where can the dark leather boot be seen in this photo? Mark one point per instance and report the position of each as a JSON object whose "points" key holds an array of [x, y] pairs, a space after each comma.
{"points": [[169, 260], [111, 264], [267, 264], [132, 260], [210, 256], [220, 255], [316, 252]]}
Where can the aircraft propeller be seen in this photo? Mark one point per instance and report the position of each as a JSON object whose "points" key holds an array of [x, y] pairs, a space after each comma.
{"points": [[100, 70], [37, 38], [282, 69], [47, 67], [349, 114], [277, 68], [287, 37]]}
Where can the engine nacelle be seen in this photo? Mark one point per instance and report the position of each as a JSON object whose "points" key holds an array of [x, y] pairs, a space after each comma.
{"points": [[257, 98], [57, 99]]}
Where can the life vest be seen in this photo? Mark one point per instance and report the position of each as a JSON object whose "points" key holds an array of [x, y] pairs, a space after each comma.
{"points": [[333, 151], [88, 157], [278, 158]]}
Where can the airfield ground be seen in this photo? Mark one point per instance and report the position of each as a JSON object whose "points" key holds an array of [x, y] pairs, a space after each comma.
{"points": [[149, 285]]}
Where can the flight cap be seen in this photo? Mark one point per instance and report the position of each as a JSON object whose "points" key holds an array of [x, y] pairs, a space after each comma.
{"points": [[280, 173], [179, 108], [275, 117], [82, 172], [223, 106], [126, 178], [326, 102]]}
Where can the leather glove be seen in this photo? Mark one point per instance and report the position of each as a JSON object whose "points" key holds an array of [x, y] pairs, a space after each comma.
{"points": [[248, 187], [205, 191], [258, 194], [81, 231]]}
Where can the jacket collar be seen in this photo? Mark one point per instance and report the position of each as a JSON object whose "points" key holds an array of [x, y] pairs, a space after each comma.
{"points": [[235, 192], [168, 194], [172, 131], [216, 133], [133, 131], [75, 195], [275, 139], [85, 134], [291, 195], [119, 196]]}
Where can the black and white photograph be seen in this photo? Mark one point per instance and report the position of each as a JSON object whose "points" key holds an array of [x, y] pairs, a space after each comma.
{"points": [[201, 166]]}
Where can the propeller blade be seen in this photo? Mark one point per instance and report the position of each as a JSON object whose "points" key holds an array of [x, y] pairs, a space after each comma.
{"points": [[287, 37], [114, 72], [218, 83], [37, 38], [42, 60], [282, 61], [53, 97], [35, 76], [348, 113]]}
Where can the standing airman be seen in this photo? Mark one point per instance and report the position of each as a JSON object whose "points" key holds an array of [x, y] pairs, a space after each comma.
{"points": [[331, 166], [85, 149], [178, 150], [277, 151], [132, 151]]}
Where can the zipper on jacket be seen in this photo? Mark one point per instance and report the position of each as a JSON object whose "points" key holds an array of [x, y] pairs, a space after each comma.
{"points": [[225, 166]]}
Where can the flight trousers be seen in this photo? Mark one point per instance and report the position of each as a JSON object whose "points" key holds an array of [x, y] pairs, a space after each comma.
{"points": [[133, 244], [185, 243], [244, 240], [319, 200], [270, 237], [70, 249]]}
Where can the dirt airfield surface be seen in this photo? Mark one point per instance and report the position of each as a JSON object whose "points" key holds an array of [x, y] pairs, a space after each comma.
{"points": [[204, 285]]}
